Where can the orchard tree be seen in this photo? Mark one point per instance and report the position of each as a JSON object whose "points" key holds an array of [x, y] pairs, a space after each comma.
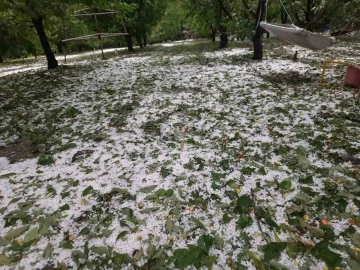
{"points": [[17, 39], [42, 15], [204, 16], [168, 28], [36, 12], [143, 17], [213, 14], [343, 16]]}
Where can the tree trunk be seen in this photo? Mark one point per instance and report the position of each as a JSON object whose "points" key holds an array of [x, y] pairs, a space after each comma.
{"points": [[258, 49], [223, 37], [308, 14], [38, 24], [138, 40], [144, 39], [223, 40], [213, 34], [257, 38], [1, 59], [284, 16], [129, 43]]}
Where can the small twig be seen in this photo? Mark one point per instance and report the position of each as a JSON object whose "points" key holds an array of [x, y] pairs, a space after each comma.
{"points": [[253, 196]]}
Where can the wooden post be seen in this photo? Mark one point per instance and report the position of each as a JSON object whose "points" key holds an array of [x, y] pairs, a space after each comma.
{"points": [[101, 47], [96, 23], [64, 49], [99, 37]]}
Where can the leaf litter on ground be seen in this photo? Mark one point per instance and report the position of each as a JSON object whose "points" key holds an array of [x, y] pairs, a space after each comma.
{"points": [[182, 159]]}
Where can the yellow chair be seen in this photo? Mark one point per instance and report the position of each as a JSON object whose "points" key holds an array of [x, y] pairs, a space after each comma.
{"points": [[326, 63]]}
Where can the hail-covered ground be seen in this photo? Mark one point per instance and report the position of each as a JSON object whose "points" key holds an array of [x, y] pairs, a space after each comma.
{"points": [[182, 157]]}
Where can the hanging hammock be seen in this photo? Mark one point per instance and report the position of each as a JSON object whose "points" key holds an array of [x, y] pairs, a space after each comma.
{"points": [[298, 36]]}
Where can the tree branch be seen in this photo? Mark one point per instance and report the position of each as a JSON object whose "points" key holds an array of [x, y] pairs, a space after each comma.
{"points": [[248, 8], [224, 9]]}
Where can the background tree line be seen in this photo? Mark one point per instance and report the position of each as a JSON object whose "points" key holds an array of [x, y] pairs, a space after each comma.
{"points": [[32, 27]]}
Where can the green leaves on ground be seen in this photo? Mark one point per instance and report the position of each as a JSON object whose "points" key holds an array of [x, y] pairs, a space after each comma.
{"points": [[87, 191], [321, 251], [273, 250], [195, 255], [217, 176], [160, 194], [244, 205], [31, 235], [285, 185], [244, 221], [165, 171], [45, 160], [248, 170], [17, 232], [4, 260], [71, 112]]}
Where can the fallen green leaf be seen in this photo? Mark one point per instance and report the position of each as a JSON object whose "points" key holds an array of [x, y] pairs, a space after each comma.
{"points": [[17, 232]]}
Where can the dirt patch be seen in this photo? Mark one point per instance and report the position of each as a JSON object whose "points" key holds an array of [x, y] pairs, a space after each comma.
{"points": [[24, 149]]}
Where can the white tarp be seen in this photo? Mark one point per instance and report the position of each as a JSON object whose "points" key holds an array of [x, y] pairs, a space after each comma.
{"points": [[298, 36]]}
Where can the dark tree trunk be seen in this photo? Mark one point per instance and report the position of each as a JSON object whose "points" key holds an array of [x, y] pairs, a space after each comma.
{"points": [[213, 34], [38, 24], [1, 59], [295, 58], [308, 13], [223, 40], [138, 40], [223, 37], [129, 43], [284, 16], [258, 49], [257, 38], [144, 40]]}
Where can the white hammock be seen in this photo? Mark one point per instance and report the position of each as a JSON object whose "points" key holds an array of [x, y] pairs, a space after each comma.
{"points": [[298, 36]]}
